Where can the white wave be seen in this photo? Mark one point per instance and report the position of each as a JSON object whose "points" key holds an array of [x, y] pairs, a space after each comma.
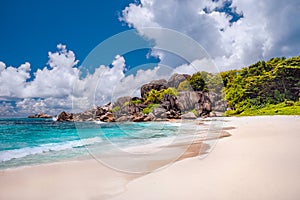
{"points": [[99, 122], [54, 119], [20, 153]]}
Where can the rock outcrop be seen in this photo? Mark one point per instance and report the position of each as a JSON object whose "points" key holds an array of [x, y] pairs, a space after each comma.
{"points": [[176, 79], [167, 105], [40, 115], [64, 116], [107, 117], [188, 115], [156, 85]]}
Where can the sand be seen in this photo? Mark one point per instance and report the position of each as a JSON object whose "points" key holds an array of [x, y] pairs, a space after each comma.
{"points": [[261, 160], [86, 179]]}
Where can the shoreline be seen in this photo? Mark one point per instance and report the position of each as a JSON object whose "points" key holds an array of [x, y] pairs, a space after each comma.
{"points": [[89, 179], [259, 161]]}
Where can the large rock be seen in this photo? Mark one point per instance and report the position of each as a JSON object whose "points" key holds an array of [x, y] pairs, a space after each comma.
{"points": [[218, 103], [124, 118], [156, 85], [176, 79], [150, 117], [205, 104], [102, 110], [188, 100], [121, 101], [64, 116], [108, 117], [159, 112], [188, 115], [169, 102], [85, 116], [138, 118]]}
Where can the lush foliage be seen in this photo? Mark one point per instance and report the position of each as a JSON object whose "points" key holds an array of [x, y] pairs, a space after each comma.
{"points": [[150, 108], [138, 101], [155, 96], [270, 109], [202, 81], [116, 109], [262, 85]]}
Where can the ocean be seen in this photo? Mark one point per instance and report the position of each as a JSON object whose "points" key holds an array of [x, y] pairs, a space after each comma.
{"points": [[25, 141]]}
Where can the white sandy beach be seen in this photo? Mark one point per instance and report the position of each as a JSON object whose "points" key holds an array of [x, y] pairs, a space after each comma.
{"points": [[261, 160]]}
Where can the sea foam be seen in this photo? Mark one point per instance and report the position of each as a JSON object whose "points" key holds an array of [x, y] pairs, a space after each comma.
{"points": [[23, 152]]}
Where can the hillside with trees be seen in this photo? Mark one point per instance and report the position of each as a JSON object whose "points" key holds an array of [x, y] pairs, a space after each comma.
{"points": [[270, 87]]}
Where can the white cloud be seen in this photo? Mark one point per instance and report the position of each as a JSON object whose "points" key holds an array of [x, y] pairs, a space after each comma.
{"points": [[203, 64], [59, 87], [267, 29], [13, 80]]}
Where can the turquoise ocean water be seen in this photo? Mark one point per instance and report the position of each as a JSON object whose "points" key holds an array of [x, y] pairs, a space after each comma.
{"points": [[26, 141]]}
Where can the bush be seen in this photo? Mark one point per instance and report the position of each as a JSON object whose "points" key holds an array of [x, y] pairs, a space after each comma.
{"points": [[197, 82], [150, 108], [185, 86], [116, 109], [138, 101], [155, 96]]}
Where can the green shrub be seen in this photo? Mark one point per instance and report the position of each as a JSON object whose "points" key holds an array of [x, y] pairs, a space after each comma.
{"points": [[155, 96], [138, 101], [197, 82], [116, 109], [150, 108], [185, 86]]}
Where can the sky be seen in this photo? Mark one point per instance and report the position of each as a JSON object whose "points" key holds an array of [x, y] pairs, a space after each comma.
{"points": [[43, 46]]}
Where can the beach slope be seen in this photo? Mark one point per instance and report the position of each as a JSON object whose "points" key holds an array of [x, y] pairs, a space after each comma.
{"points": [[261, 160]]}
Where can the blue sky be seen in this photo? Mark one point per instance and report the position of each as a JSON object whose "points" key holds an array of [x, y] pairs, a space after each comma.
{"points": [[31, 28], [233, 33]]}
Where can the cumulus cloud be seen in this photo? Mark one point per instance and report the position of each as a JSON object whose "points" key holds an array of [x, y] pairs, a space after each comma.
{"points": [[266, 30], [13, 80], [59, 86]]}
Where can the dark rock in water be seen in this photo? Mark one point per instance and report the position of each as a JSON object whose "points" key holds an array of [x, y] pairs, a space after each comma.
{"points": [[124, 118], [138, 118], [108, 117], [102, 110], [156, 85], [83, 116], [150, 117], [64, 116], [188, 115], [176, 79], [99, 112], [40, 115], [172, 114]]}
